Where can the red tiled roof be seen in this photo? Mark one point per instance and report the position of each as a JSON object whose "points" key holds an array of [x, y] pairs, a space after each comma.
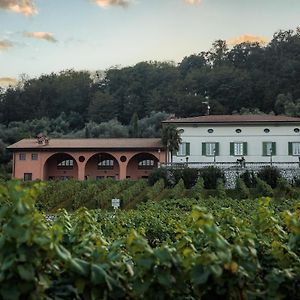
{"points": [[236, 119], [117, 143]]}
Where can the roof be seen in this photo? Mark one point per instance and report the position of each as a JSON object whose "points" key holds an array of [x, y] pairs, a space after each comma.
{"points": [[112, 143], [234, 119]]}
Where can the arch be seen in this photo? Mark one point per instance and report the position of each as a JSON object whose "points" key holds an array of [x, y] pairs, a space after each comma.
{"points": [[102, 165], [60, 166], [141, 165]]}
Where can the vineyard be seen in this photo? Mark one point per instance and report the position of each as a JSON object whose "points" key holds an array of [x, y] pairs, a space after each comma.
{"points": [[62, 240]]}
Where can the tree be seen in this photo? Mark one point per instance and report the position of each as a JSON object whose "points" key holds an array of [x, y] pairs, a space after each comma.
{"points": [[171, 139]]}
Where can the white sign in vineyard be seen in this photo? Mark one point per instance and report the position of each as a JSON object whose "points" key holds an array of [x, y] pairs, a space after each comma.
{"points": [[115, 203]]}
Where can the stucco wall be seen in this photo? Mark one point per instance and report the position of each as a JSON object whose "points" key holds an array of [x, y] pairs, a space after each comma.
{"points": [[254, 135]]}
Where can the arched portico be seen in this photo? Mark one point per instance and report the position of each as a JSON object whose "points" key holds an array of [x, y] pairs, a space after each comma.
{"points": [[141, 165], [102, 165], [60, 166]]}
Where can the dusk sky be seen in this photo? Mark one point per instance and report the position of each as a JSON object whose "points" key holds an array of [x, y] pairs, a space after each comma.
{"points": [[45, 36]]}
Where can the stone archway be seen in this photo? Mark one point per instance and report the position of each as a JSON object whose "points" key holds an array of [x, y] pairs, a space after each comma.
{"points": [[61, 166], [102, 165], [141, 165]]}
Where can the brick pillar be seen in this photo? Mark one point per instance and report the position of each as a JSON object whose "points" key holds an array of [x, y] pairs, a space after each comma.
{"points": [[123, 169], [81, 170]]}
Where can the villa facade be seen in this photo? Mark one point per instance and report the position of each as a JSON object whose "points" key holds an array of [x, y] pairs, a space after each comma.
{"points": [[243, 138], [43, 159]]}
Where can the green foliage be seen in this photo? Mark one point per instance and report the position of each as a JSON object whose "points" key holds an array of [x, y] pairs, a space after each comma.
{"points": [[285, 189], [188, 175], [220, 189], [248, 178], [241, 189], [269, 175], [197, 191], [172, 249], [210, 176], [161, 173], [179, 190], [263, 188]]}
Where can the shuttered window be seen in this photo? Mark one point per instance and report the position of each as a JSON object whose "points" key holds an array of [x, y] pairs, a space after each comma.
{"points": [[184, 149], [210, 149], [294, 148], [238, 148], [269, 148]]}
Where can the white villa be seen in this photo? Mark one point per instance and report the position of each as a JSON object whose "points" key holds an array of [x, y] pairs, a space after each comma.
{"points": [[238, 138]]}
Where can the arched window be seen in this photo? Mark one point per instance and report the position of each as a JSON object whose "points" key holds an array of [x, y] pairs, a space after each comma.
{"points": [[146, 164], [106, 164], [65, 164]]}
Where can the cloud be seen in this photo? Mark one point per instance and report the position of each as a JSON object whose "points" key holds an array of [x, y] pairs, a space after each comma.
{"points": [[25, 7], [247, 39], [4, 45], [192, 2], [47, 36], [107, 3], [6, 81]]}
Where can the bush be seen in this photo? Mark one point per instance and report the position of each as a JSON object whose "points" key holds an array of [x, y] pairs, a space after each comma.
{"points": [[248, 178], [189, 176], [210, 176], [296, 182], [242, 189], [270, 175], [197, 189], [178, 190], [220, 189], [161, 173], [285, 189], [263, 189]]}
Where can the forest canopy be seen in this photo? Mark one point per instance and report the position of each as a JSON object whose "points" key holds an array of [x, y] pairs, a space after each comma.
{"points": [[132, 101]]}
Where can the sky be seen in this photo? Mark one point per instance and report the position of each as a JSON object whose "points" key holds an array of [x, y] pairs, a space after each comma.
{"points": [[43, 36]]}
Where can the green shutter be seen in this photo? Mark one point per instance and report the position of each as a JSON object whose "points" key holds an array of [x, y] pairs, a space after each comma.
{"points": [[203, 148], [264, 149], [187, 148], [217, 149], [245, 148], [274, 148], [231, 148], [290, 148]]}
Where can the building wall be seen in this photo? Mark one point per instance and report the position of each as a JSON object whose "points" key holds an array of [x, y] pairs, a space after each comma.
{"points": [[254, 135], [45, 166]]}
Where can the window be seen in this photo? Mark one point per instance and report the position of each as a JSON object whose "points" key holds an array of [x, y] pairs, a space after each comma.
{"points": [[269, 148], [146, 164], [65, 164], [238, 130], [210, 149], [184, 149], [238, 148], [34, 156], [27, 176], [22, 156], [210, 130], [100, 177], [294, 148], [266, 130], [296, 130], [106, 164]]}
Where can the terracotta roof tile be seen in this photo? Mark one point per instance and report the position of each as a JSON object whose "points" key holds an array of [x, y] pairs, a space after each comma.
{"points": [[120, 143], [235, 119]]}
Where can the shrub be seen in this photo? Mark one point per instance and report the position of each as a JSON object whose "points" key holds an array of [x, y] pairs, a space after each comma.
{"points": [[248, 178], [263, 189], [242, 189], [189, 176], [285, 189], [270, 175], [220, 189], [178, 190], [210, 176], [161, 173], [296, 182], [197, 189]]}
